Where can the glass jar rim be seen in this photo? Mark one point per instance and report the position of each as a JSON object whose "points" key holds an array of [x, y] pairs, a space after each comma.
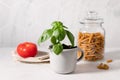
{"points": [[92, 17]]}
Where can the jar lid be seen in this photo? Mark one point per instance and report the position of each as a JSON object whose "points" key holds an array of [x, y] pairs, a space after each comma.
{"points": [[91, 18]]}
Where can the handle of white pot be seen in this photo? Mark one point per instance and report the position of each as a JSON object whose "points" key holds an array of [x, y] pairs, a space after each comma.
{"points": [[82, 54]]}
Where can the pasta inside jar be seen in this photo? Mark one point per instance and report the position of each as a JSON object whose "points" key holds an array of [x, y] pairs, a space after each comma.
{"points": [[92, 44]]}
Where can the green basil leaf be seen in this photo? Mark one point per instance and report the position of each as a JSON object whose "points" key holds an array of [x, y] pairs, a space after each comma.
{"points": [[56, 25], [59, 34], [65, 27], [45, 35], [57, 48], [53, 40], [70, 36]]}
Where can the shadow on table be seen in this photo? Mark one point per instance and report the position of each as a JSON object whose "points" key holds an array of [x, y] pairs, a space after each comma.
{"points": [[91, 67]]}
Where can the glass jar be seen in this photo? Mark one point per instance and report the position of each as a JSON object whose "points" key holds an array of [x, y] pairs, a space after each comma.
{"points": [[91, 37]]}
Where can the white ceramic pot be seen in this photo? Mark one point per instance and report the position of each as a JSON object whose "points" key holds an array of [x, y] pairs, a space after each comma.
{"points": [[64, 62]]}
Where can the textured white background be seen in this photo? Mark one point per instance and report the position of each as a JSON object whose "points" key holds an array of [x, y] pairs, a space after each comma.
{"points": [[24, 20]]}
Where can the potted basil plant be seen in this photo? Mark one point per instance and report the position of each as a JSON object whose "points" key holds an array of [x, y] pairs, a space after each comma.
{"points": [[63, 57]]}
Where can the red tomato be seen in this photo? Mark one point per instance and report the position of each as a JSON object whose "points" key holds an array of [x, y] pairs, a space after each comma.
{"points": [[27, 49]]}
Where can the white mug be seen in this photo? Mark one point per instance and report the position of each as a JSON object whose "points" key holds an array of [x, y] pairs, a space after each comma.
{"points": [[66, 61]]}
